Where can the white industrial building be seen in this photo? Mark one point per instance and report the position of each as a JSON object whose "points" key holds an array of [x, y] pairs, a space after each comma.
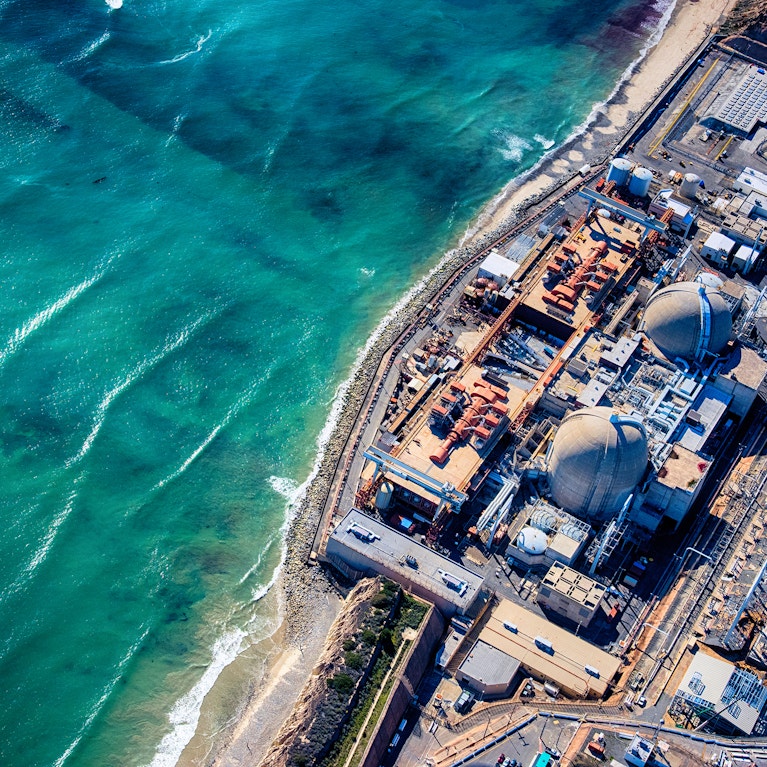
{"points": [[361, 545], [640, 752], [750, 180], [745, 257], [717, 248], [716, 691], [683, 214], [497, 268]]}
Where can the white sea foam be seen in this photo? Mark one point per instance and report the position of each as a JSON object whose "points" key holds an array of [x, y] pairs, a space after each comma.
{"points": [[34, 323], [286, 487], [134, 375], [91, 47], [201, 40], [114, 4], [50, 535], [259, 593], [514, 147], [546, 143], [367, 272], [186, 712]]}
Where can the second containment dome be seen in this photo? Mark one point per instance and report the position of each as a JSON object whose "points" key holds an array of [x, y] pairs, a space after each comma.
{"points": [[687, 319], [596, 460]]}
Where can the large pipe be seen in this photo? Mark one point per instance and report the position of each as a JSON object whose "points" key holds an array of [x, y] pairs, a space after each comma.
{"points": [[483, 395]]}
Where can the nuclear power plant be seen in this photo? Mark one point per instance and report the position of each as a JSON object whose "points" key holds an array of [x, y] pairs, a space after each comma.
{"points": [[567, 443]]}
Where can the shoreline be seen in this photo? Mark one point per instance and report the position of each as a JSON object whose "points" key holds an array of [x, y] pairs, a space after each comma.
{"points": [[306, 607]]}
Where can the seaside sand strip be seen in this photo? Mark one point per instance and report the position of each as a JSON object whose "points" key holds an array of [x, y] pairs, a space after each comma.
{"points": [[305, 589], [690, 24]]}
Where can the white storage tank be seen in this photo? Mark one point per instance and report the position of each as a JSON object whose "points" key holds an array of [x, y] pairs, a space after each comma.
{"points": [[532, 540], [639, 185], [690, 185], [619, 171], [384, 496]]}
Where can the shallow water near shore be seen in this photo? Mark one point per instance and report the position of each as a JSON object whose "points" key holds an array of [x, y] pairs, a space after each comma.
{"points": [[207, 208]]}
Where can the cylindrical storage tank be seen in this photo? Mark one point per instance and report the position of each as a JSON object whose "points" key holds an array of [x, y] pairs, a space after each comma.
{"points": [[384, 496], [619, 171], [596, 460], [532, 540], [639, 185], [690, 185]]}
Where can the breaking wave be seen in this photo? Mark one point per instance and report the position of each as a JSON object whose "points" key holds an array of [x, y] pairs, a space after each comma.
{"points": [[186, 712]]}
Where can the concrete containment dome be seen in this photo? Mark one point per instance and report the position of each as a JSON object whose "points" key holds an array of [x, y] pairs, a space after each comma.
{"points": [[532, 540], [595, 462], [687, 319]]}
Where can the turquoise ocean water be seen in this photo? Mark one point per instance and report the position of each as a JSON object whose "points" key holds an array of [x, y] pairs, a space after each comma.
{"points": [[206, 209]]}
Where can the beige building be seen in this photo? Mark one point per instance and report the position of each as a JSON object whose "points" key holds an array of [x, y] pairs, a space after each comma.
{"points": [[571, 594], [550, 653], [675, 486]]}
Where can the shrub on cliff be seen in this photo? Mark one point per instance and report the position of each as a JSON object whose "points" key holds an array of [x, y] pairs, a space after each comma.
{"points": [[353, 660], [342, 683], [381, 600]]}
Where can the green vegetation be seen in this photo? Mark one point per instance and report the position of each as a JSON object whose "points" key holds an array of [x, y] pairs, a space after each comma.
{"points": [[367, 658], [353, 660], [409, 615], [343, 684]]}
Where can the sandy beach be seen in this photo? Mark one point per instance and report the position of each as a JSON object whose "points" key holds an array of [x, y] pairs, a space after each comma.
{"points": [[690, 23], [308, 604]]}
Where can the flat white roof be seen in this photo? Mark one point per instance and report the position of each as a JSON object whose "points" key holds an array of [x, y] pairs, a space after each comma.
{"points": [[711, 405], [737, 695], [489, 666], [390, 548], [498, 265], [719, 241], [752, 179]]}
